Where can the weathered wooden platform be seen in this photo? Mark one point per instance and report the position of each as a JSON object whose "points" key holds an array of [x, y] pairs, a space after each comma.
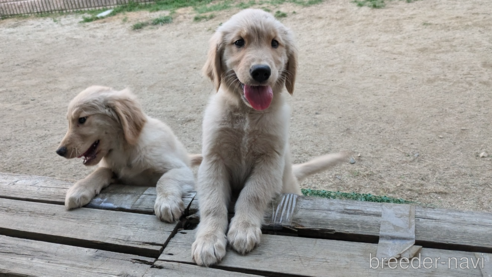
{"points": [[117, 234]]}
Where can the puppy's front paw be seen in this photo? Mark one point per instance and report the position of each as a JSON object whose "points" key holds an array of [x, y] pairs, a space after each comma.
{"points": [[243, 236], [78, 196], [168, 209], [209, 249]]}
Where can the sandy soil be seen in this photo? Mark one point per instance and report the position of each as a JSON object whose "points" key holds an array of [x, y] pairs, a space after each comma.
{"points": [[407, 87]]}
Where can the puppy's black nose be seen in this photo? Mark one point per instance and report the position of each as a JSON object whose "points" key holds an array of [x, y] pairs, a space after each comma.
{"points": [[62, 151], [260, 73]]}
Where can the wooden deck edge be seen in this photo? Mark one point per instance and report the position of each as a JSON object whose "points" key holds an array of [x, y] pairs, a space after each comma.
{"points": [[116, 197]]}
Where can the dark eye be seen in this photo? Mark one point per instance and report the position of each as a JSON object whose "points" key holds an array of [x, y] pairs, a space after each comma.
{"points": [[239, 43], [82, 120], [274, 43]]}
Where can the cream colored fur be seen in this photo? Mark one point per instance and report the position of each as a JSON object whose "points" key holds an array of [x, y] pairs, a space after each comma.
{"points": [[245, 151], [133, 149]]}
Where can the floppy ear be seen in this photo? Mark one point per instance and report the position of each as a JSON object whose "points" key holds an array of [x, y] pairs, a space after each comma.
{"points": [[213, 65], [291, 69], [130, 115]]}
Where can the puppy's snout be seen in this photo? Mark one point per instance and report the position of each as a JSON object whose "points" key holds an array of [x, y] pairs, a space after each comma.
{"points": [[62, 151], [260, 73]]}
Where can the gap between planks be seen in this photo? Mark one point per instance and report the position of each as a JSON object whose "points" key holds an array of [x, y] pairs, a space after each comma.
{"points": [[20, 257], [129, 233], [295, 256]]}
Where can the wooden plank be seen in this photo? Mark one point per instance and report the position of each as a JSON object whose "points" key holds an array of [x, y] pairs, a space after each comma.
{"points": [[170, 269], [289, 256], [131, 199], [125, 198], [38, 258], [313, 217], [50, 190], [33, 188], [487, 266], [448, 229], [108, 230], [360, 221]]}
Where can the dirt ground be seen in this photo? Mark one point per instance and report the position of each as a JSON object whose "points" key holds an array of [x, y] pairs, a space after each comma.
{"points": [[407, 87]]}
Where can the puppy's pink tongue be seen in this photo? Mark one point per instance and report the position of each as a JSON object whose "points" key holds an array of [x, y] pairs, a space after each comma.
{"points": [[259, 97]]}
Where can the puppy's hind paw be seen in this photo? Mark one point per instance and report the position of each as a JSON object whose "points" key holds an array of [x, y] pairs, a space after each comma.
{"points": [[209, 249], [168, 209]]}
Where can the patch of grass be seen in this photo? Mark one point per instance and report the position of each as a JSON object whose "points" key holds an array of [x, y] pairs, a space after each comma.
{"points": [[353, 196], [245, 5], [224, 5], [43, 14], [162, 20], [303, 3], [171, 5], [310, 2], [139, 25], [156, 21], [376, 4], [86, 19], [279, 14], [125, 19], [159, 5], [199, 18]]}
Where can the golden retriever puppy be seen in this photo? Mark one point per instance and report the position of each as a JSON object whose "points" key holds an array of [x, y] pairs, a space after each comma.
{"points": [[108, 128], [252, 58]]}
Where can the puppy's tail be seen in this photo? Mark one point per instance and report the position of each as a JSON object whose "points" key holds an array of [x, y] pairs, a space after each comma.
{"points": [[195, 159], [318, 164]]}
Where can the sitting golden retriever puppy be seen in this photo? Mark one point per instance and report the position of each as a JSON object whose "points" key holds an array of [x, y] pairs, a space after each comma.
{"points": [[246, 154], [108, 128]]}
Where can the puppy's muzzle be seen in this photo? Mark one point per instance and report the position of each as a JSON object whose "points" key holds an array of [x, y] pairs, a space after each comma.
{"points": [[260, 73], [62, 151]]}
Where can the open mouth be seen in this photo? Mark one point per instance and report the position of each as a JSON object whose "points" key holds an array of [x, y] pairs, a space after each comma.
{"points": [[91, 153], [257, 97]]}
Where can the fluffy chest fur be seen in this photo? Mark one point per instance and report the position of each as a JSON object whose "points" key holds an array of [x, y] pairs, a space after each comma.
{"points": [[242, 138]]}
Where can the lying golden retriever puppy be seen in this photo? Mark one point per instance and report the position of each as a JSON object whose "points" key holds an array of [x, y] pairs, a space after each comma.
{"points": [[251, 59], [108, 128]]}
